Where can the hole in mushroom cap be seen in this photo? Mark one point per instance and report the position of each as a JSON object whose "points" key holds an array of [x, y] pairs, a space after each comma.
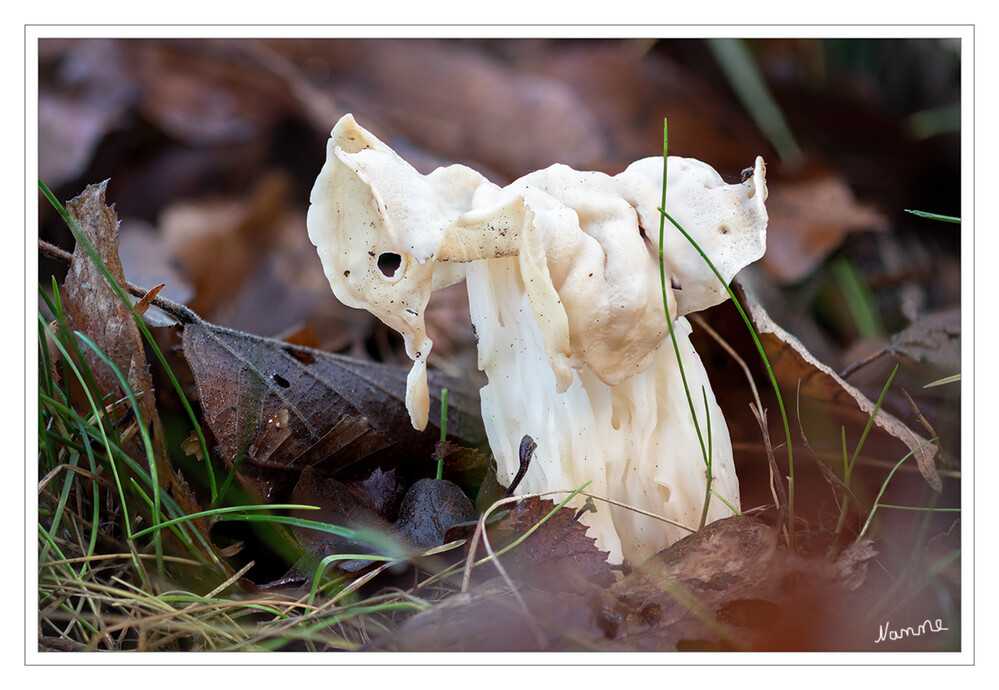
{"points": [[723, 229], [389, 263]]}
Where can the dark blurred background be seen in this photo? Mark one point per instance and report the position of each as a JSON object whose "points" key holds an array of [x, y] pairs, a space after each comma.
{"points": [[854, 131]]}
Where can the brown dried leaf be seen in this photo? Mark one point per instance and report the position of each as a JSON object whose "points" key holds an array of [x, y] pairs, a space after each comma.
{"points": [[809, 219], [470, 468], [630, 91], [220, 242], [205, 92], [147, 299], [97, 310], [443, 95], [430, 508], [85, 98], [818, 386], [426, 511], [493, 618], [933, 340], [851, 564], [345, 505], [728, 586], [339, 410], [558, 556]]}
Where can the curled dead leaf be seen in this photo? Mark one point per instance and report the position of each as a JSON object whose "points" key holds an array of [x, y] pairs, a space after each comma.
{"points": [[817, 384], [96, 309]]}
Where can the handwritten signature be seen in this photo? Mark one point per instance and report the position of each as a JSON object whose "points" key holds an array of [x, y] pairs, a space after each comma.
{"points": [[885, 632]]}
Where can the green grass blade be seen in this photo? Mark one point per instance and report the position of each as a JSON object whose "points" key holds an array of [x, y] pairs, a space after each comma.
{"points": [[98, 414], [859, 299], [707, 470], [669, 318], [884, 485], [440, 460], [766, 363], [242, 513], [746, 79], [934, 216], [82, 240], [143, 431], [944, 381], [870, 421]]}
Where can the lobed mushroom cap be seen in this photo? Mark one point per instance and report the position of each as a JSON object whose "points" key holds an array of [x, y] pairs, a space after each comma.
{"points": [[586, 246]]}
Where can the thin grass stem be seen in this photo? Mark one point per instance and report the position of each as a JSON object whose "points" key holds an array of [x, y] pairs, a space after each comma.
{"points": [[756, 340], [884, 485], [669, 318], [84, 242], [147, 442]]}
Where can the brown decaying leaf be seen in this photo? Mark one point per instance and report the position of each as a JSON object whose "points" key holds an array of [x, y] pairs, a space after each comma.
{"points": [[558, 574], [809, 219], [817, 384], [339, 410], [85, 98], [202, 92], [491, 618], [426, 511], [726, 587], [473, 469], [220, 242], [429, 509], [444, 96], [558, 556], [631, 90], [143, 304], [364, 505], [318, 106], [97, 310], [932, 340]]}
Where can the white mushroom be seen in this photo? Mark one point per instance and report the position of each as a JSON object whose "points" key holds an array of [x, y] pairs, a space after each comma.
{"points": [[565, 294]]}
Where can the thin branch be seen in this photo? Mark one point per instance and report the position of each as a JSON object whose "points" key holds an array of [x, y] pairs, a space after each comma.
{"points": [[178, 311]]}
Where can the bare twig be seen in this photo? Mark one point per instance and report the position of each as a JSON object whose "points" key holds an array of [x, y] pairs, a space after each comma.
{"points": [[178, 311]]}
